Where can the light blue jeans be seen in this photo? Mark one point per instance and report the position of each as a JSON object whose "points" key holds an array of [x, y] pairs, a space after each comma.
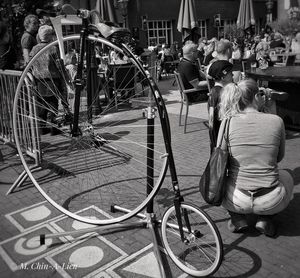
{"points": [[271, 203]]}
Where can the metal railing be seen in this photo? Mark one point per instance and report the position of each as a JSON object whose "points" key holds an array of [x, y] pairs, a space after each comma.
{"points": [[27, 124], [8, 84]]}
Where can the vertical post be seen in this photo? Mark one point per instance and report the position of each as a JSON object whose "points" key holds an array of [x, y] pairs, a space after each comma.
{"points": [[123, 9], [78, 79], [269, 5], [150, 135]]}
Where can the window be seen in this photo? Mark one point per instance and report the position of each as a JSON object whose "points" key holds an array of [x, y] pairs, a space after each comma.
{"points": [[203, 27], [159, 32], [223, 23]]}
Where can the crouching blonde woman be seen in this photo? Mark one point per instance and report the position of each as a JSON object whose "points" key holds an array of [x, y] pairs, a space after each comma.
{"points": [[256, 143]]}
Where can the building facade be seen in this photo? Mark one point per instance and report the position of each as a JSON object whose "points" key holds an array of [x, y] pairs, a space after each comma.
{"points": [[155, 21]]}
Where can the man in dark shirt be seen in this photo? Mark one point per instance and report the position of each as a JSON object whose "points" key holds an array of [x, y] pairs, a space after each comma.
{"points": [[189, 72], [7, 53], [221, 72], [277, 41]]}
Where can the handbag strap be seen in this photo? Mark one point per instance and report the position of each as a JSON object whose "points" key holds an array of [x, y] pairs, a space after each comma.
{"points": [[226, 135], [224, 138]]}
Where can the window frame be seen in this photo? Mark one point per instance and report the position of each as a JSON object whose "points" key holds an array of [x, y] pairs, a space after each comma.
{"points": [[161, 31]]}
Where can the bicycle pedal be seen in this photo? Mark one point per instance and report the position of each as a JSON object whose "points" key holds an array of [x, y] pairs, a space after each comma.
{"points": [[68, 119], [198, 234]]}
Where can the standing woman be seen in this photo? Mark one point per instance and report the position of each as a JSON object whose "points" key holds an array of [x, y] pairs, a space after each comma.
{"points": [[256, 143], [28, 40]]}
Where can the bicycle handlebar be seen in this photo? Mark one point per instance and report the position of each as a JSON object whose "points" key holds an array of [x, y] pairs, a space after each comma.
{"points": [[68, 9]]}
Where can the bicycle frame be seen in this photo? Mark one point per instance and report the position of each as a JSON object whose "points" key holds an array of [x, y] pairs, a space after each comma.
{"points": [[78, 79], [85, 49]]}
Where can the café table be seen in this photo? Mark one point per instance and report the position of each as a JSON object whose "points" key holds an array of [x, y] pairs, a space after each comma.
{"points": [[285, 79]]}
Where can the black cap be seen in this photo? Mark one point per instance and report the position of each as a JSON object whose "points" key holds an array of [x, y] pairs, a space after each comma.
{"points": [[219, 69]]}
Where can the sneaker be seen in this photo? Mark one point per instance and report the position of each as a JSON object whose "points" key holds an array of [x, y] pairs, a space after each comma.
{"points": [[237, 227], [265, 226], [237, 223]]}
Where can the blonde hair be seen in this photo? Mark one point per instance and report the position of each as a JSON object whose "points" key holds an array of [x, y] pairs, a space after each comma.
{"points": [[71, 58], [262, 46], [235, 98]]}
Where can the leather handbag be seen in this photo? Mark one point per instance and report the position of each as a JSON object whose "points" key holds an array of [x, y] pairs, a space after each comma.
{"points": [[212, 182]]}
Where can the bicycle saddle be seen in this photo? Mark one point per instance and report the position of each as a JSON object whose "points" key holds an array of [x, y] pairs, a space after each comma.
{"points": [[107, 30]]}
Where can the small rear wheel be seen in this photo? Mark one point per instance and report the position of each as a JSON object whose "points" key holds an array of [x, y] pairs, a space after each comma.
{"points": [[200, 252]]}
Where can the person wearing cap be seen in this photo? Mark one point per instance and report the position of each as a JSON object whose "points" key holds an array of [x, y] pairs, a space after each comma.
{"points": [[28, 40], [221, 72], [49, 79], [223, 51], [189, 71]]}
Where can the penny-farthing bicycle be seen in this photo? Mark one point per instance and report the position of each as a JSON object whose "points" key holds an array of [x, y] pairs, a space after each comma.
{"points": [[93, 163]]}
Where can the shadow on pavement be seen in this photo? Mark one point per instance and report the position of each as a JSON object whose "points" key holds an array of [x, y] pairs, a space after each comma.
{"points": [[238, 261], [296, 175]]}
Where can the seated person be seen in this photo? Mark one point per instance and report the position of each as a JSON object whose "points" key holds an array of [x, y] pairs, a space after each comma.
{"points": [[262, 55], [71, 67], [118, 58], [189, 72], [236, 50], [201, 45], [221, 72], [295, 46], [256, 141], [277, 41], [208, 51], [49, 81], [164, 58]]}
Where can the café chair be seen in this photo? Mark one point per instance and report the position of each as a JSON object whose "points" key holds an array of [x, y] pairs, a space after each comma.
{"points": [[203, 92], [288, 59], [122, 81], [166, 67]]}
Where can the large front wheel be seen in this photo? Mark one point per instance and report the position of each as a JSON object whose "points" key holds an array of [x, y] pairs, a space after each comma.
{"points": [[199, 253], [114, 154]]}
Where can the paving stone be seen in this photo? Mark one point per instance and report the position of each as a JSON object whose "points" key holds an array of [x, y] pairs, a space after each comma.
{"points": [[246, 255]]}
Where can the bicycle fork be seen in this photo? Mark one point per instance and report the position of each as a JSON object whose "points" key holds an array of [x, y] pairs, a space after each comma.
{"points": [[178, 197], [78, 79]]}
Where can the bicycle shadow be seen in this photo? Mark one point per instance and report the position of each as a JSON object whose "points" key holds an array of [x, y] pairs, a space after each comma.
{"points": [[238, 261], [117, 123]]}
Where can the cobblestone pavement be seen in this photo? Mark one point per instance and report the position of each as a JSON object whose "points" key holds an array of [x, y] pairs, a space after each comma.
{"points": [[129, 252]]}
